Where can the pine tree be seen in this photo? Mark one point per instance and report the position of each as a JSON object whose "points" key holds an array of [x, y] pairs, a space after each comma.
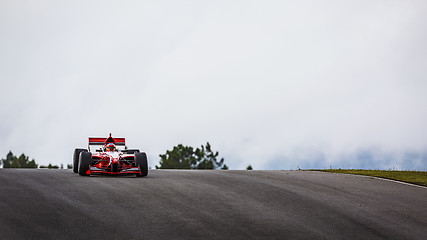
{"points": [[185, 157], [8, 161], [22, 161]]}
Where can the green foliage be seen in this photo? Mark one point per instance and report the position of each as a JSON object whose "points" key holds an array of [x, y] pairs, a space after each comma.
{"points": [[249, 167], [50, 166], [180, 157], [8, 161], [22, 161], [225, 167], [186, 157], [69, 166]]}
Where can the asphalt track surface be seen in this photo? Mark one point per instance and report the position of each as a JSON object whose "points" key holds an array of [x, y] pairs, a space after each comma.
{"points": [[181, 204]]}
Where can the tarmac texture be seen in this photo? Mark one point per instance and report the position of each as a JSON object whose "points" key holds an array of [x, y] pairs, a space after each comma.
{"points": [[206, 204]]}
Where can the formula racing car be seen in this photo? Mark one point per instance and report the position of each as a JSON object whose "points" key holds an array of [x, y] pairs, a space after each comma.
{"points": [[109, 159]]}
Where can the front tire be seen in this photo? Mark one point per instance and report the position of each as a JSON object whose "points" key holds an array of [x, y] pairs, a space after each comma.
{"points": [[85, 160], [132, 151], [142, 164], [76, 155]]}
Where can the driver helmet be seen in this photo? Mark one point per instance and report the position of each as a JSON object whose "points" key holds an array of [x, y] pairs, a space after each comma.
{"points": [[110, 147]]}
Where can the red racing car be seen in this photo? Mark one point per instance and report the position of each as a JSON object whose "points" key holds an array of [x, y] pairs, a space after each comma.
{"points": [[109, 159]]}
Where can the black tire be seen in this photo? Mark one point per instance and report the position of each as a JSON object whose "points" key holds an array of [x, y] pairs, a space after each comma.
{"points": [[142, 163], [132, 151], [76, 155], [85, 160]]}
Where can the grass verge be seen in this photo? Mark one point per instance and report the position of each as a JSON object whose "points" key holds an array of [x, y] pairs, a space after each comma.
{"points": [[415, 177]]}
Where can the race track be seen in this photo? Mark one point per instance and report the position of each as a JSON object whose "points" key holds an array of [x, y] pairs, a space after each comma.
{"points": [[181, 204]]}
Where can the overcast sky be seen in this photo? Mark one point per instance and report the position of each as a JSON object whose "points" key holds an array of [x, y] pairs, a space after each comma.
{"points": [[275, 84]]}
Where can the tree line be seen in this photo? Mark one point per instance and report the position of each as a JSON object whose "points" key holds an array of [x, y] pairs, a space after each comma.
{"points": [[186, 157], [22, 161]]}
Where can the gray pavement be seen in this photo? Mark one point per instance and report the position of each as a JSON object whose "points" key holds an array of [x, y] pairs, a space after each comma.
{"points": [[185, 204]]}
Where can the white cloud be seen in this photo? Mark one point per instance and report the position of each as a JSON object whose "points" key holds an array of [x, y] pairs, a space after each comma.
{"points": [[274, 84]]}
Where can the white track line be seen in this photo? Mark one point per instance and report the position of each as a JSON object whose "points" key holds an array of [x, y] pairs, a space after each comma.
{"points": [[396, 181], [385, 179]]}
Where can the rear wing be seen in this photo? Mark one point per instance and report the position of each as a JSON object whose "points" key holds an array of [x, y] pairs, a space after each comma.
{"points": [[102, 141]]}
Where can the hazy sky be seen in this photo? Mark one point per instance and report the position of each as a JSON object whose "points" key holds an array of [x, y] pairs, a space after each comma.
{"points": [[275, 84]]}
